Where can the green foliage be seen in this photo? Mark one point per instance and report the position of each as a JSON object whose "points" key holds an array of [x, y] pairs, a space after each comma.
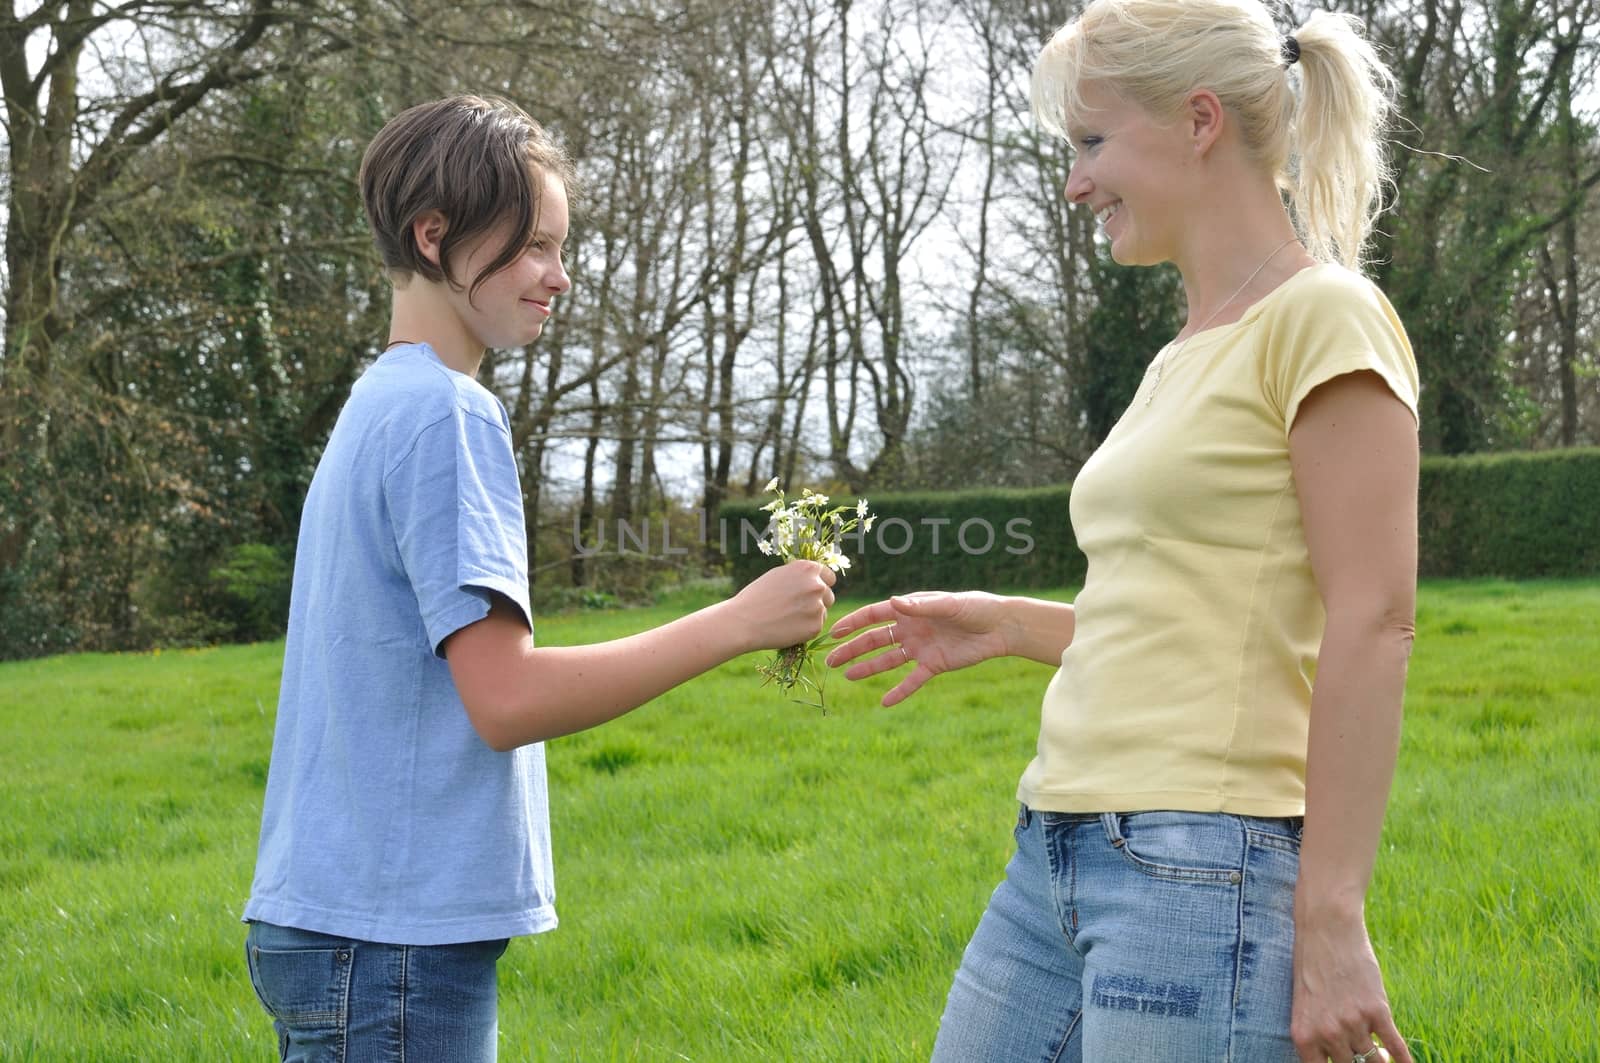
{"points": [[1477, 190], [595, 599], [29, 557], [186, 408], [953, 540], [1492, 515], [86, 506], [254, 584], [1511, 515], [613, 560], [1138, 310]]}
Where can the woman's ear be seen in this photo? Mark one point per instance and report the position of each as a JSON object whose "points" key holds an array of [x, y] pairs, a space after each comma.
{"points": [[1205, 117], [428, 231]]}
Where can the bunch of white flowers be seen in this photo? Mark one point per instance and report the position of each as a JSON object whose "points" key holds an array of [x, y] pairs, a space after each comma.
{"points": [[808, 530]]}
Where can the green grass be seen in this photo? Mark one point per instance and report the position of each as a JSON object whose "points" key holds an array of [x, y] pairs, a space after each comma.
{"points": [[741, 878]]}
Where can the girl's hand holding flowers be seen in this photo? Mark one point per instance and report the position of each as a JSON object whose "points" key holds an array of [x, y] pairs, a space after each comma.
{"points": [[806, 529], [789, 604]]}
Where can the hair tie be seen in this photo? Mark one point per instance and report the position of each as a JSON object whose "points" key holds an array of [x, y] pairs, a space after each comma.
{"points": [[1291, 51]]}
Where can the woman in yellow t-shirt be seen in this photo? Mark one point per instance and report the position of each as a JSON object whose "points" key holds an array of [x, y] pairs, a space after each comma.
{"points": [[1198, 829]]}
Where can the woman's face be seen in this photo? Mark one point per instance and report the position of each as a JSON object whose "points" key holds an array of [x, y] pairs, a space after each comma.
{"points": [[1129, 170]]}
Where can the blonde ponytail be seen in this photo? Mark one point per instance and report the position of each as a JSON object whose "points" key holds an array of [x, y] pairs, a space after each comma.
{"points": [[1324, 148], [1339, 169]]}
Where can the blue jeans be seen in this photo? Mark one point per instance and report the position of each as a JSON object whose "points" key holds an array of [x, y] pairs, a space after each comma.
{"points": [[1144, 937], [335, 999]]}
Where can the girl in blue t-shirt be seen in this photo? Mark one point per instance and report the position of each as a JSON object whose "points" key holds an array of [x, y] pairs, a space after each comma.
{"points": [[405, 831]]}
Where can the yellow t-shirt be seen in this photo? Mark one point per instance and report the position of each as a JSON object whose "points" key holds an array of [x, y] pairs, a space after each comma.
{"points": [[1187, 685]]}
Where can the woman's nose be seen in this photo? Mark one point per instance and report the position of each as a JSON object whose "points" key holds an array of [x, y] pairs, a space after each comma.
{"points": [[1078, 185]]}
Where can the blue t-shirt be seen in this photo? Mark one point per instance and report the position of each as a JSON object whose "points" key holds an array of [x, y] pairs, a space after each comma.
{"points": [[386, 817]]}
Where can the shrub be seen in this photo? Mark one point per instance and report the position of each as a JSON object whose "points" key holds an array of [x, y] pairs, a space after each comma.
{"points": [[254, 584], [954, 540], [1513, 516]]}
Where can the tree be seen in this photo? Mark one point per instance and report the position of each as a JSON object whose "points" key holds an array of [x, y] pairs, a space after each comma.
{"points": [[79, 152], [1480, 88], [872, 179]]}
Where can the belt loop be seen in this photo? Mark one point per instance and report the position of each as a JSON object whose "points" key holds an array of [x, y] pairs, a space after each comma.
{"points": [[1024, 816], [1112, 822]]}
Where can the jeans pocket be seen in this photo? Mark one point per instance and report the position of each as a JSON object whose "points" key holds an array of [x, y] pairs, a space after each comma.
{"points": [[305, 988], [1180, 846], [1281, 834]]}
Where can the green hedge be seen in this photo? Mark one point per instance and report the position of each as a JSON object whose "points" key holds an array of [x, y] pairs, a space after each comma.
{"points": [[1515, 516], [953, 540]]}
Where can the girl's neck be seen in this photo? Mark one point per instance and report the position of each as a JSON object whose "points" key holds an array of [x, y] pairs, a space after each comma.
{"points": [[421, 315]]}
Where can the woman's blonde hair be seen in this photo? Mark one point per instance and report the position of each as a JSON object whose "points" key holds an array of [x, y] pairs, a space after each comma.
{"points": [[1323, 145]]}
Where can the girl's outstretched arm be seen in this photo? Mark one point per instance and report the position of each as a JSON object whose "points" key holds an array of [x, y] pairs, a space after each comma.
{"points": [[516, 693]]}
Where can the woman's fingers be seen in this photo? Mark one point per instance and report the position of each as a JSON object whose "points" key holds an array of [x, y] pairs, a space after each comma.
{"points": [[932, 605], [1394, 1046], [872, 639], [1387, 1047], [907, 686], [877, 638], [867, 615], [883, 662], [1380, 1039], [927, 603]]}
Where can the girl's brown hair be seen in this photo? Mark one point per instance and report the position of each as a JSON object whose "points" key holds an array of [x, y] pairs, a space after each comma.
{"points": [[480, 161]]}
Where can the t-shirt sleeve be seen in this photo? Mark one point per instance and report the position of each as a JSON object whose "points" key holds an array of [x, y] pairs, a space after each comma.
{"points": [[1346, 326], [456, 506]]}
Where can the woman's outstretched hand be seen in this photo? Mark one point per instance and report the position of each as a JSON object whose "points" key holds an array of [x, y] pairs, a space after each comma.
{"points": [[932, 631]]}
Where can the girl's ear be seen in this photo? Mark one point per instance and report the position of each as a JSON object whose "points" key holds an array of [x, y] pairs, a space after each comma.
{"points": [[428, 231], [1204, 117]]}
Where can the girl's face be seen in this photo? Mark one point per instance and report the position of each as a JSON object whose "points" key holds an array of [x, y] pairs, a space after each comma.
{"points": [[1129, 169], [510, 308]]}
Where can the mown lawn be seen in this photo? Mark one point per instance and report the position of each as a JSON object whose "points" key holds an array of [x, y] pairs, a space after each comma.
{"points": [[746, 879]]}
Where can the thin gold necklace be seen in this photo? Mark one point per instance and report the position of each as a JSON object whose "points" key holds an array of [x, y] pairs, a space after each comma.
{"points": [[1170, 351]]}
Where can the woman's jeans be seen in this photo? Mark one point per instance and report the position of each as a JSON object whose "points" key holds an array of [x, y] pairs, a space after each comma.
{"points": [[339, 999], [1144, 937]]}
